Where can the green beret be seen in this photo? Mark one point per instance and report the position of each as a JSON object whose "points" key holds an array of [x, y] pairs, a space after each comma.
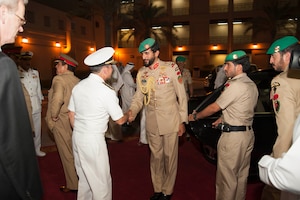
{"points": [[235, 55], [180, 59], [146, 44], [281, 44]]}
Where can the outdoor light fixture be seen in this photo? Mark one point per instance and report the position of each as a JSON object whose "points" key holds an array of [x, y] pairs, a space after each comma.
{"points": [[57, 44], [178, 26], [24, 40], [156, 27]]}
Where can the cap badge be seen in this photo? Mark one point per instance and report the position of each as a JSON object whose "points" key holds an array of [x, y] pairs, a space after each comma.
{"points": [[276, 49], [146, 46], [234, 56]]}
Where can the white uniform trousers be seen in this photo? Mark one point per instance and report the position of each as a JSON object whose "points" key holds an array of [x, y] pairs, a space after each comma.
{"points": [[92, 167], [37, 123]]}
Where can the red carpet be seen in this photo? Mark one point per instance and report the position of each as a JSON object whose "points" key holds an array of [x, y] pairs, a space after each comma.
{"points": [[131, 174]]}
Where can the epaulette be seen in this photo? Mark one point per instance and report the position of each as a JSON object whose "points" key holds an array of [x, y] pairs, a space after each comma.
{"points": [[169, 63], [108, 85]]}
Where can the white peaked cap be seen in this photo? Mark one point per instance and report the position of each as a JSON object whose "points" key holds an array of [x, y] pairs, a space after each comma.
{"points": [[102, 56]]}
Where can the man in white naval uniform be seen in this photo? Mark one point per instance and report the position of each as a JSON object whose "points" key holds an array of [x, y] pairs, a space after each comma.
{"points": [[283, 173], [31, 80], [92, 102]]}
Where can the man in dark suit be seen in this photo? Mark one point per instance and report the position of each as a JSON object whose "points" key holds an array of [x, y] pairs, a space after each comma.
{"points": [[19, 173]]}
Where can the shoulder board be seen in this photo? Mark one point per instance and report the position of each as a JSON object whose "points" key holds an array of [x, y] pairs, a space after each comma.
{"points": [[169, 63], [108, 85]]}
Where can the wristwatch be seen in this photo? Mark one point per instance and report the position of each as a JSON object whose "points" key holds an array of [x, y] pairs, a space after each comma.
{"points": [[195, 116]]}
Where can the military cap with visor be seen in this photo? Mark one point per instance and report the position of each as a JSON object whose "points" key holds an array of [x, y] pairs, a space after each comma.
{"points": [[146, 44], [9, 49], [67, 59], [235, 55], [101, 57], [281, 44], [27, 55]]}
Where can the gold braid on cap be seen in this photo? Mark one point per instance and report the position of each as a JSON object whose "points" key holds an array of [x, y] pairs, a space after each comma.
{"points": [[146, 88]]}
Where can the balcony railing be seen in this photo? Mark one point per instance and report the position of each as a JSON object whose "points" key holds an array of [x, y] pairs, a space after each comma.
{"points": [[243, 6], [180, 11], [183, 42], [241, 39], [218, 9], [237, 7], [237, 39], [218, 39]]}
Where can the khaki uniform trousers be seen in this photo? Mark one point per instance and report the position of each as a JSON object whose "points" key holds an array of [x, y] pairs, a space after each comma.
{"points": [[63, 139], [163, 161], [234, 153]]}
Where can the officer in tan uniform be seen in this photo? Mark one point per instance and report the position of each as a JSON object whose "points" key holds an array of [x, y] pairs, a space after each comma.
{"points": [[285, 95], [160, 89], [186, 76], [57, 116], [235, 145]]}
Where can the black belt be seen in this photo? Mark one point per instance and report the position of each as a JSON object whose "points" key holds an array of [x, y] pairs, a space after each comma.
{"points": [[229, 128]]}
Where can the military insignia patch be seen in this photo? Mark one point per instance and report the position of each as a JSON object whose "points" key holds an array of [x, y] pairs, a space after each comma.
{"points": [[163, 80], [155, 65], [109, 86], [274, 96], [179, 74], [276, 103], [180, 80]]}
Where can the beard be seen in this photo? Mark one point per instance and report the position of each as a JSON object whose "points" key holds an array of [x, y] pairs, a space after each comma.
{"points": [[150, 62]]}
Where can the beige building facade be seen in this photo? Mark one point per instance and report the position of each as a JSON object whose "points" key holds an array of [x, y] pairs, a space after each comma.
{"points": [[206, 29]]}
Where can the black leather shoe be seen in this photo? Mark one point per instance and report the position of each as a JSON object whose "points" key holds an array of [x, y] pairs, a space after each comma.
{"points": [[156, 196], [165, 197]]}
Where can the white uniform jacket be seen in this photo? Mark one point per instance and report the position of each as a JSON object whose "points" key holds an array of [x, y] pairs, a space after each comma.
{"points": [[283, 173], [31, 81]]}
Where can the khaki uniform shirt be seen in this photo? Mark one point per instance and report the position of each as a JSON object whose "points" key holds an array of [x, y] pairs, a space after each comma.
{"points": [[285, 95], [238, 101], [165, 98], [58, 98]]}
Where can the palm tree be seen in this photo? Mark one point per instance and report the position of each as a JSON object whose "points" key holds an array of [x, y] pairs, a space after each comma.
{"points": [[106, 8], [141, 20], [276, 17]]}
